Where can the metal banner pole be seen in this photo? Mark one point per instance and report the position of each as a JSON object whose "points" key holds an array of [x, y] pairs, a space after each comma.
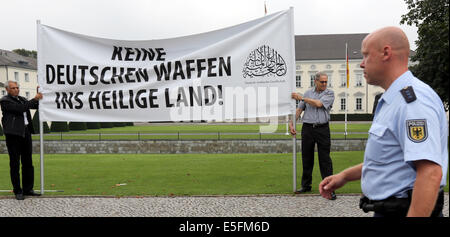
{"points": [[293, 86], [41, 124], [287, 124], [41, 137], [294, 155]]}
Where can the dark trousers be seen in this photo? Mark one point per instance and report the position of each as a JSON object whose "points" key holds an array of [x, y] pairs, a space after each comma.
{"points": [[20, 151], [394, 207], [376, 214], [310, 136]]}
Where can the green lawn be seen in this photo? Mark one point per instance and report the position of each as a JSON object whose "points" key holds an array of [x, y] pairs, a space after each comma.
{"points": [[192, 128], [179, 174], [200, 132], [176, 174]]}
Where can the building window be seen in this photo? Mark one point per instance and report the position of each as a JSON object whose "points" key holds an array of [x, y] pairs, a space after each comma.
{"points": [[359, 81], [3, 92], [298, 81], [343, 80], [343, 105], [27, 77], [312, 76], [330, 84], [27, 94], [358, 103], [16, 76]]}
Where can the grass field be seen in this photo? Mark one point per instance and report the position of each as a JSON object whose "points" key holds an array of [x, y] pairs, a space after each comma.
{"points": [[180, 174]]}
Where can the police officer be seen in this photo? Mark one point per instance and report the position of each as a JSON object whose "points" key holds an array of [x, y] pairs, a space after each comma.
{"points": [[317, 104], [406, 157]]}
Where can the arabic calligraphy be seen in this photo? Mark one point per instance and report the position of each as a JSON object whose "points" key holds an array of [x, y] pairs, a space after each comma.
{"points": [[264, 61]]}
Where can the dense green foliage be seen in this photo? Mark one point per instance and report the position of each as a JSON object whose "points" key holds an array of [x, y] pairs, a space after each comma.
{"points": [[432, 54], [59, 127], [26, 53], [77, 126], [36, 124]]}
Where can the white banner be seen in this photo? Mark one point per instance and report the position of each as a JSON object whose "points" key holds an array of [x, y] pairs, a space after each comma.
{"points": [[244, 71]]}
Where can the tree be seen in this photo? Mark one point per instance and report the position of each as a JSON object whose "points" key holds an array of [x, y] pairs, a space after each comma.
{"points": [[431, 17], [26, 53]]}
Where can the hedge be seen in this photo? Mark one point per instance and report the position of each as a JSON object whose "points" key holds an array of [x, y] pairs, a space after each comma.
{"points": [[93, 125], [59, 127], [36, 124], [77, 126], [351, 117]]}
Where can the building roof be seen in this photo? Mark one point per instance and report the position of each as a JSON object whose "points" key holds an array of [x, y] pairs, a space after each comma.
{"points": [[11, 59], [328, 47]]}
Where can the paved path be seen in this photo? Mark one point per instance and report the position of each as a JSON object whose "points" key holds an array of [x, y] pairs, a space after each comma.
{"points": [[217, 206]]}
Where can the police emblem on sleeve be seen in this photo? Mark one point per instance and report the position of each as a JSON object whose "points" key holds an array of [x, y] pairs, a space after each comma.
{"points": [[417, 130]]}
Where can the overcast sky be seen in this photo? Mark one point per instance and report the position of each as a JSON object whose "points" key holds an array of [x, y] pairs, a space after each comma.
{"points": [[159, 19]]}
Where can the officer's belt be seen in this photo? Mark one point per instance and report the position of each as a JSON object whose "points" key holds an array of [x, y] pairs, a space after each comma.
{"points": [[316, 125], [393, 206]]}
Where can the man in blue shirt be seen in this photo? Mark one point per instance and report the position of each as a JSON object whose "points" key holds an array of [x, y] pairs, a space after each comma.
{"points": [[316, 103], [406, 158]]}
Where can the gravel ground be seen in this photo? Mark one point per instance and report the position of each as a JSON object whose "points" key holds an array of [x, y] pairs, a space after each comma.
{"points": [[215, 206]]}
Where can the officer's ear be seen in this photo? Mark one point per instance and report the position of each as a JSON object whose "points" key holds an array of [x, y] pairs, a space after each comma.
{"points": [[387, 52]]}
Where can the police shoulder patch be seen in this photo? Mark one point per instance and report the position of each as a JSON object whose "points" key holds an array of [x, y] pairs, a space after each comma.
{"points": [[417, 130], [408, 94]]}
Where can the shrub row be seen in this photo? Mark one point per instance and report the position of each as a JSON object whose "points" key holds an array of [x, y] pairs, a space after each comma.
{"points": [[74, 126], [351, 117]]}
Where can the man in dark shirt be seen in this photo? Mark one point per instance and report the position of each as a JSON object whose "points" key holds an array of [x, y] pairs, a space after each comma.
{"points": [[18, 127]]}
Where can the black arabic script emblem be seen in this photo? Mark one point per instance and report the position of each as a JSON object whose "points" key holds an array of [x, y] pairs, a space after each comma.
{"points": [[264, 61]]}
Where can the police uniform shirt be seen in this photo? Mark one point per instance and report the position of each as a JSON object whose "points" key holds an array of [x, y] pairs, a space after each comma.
{"points": [[405, 129], [313, 114]]}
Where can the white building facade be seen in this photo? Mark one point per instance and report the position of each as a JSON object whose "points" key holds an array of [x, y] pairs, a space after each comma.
{"points": [[327, 53], [23, 70], [360, 96]]}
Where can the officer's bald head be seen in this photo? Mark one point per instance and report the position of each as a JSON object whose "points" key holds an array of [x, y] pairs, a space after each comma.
{"points": [[393, 37], [385, 56]]}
